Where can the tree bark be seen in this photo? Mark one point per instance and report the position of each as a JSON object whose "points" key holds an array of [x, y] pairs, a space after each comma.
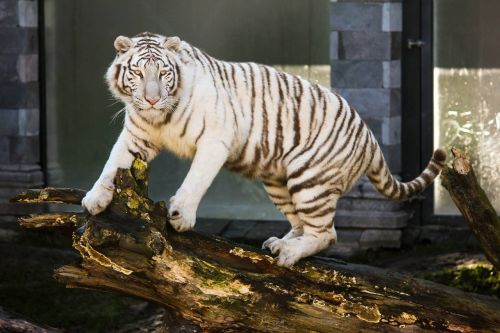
{"points": [[8, 324], [23, 326], [221, 286], [461, 182]]}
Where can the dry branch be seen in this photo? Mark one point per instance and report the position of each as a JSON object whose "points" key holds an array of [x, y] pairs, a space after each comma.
{"points": [[461, 182], [222, 286]]}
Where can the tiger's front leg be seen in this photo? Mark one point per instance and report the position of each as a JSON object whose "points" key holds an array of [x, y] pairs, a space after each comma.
{"points": [[122, 155], [209, 158]]}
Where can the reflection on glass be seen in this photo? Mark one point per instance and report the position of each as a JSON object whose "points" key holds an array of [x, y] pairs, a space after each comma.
{"points": [[468, 101], [467, 90]]}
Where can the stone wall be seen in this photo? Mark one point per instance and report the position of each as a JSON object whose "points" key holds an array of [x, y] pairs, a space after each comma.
{"points": [[19, 103], [365, 52], [365, 44]]}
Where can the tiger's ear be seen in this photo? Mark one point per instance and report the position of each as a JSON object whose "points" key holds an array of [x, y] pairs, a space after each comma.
{"points": [[123, 44], [172, 43]]}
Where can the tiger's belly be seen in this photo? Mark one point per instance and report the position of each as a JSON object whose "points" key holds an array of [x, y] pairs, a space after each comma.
{"points": [[265, 170]]}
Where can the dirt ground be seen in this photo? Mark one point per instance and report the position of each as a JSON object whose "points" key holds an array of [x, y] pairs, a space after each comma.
{"points": [[28, 291]]}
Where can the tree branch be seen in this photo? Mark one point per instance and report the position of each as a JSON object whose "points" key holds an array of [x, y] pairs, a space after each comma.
{"points": [[461, 182]]}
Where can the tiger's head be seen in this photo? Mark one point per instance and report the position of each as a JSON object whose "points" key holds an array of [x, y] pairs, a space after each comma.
{"points": [[145, 72]]}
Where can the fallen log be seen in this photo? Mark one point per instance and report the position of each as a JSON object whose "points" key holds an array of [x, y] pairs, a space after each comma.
{"points": [[12, 324], [23, 326], [461, 182], [221, 286]]}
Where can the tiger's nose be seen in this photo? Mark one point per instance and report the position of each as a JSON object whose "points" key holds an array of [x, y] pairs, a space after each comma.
{"points": [[153, 100]]}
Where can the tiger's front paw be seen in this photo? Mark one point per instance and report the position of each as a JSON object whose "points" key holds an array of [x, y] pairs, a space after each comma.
{"points": [[98, 198], [182, 215]]}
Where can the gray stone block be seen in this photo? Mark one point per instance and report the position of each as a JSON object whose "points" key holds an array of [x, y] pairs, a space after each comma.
{"points": [[25, 149], [8, 13], [369, 102], [356, 74], [392, 16], [410, 235], [391, 130], [395, 95], [9, 120], [371, 219], [351, 16], [376, 238], [211, 226], [358, 45], [365, 204], [8, 70], [236, 230], [4, 149], [392, 74], [341, 250], [19, 95], [392, 154], [334, 45], [441, 233], [27, 67], [17, 168], [15, 180], [396, 38], [375, 125], [18, 41], [348, 235], [29, 122], [28, 13], [262, 230]]}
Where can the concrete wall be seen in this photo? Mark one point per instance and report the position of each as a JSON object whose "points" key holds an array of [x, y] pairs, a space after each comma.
{"points": [[19, 102]]}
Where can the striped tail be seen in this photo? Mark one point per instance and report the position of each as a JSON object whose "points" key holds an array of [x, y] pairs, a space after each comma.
{"points": [[381, 177]]}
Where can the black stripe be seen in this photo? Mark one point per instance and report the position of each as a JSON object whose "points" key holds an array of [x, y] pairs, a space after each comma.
{"points": [[325, 211], [312, 209], [296, 109], [265, 121], [201, 133]]}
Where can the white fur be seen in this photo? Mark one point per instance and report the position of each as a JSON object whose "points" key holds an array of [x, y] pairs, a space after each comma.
{"points": [[304, 142]]}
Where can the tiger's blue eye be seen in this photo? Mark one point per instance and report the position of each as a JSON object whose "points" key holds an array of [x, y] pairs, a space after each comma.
{"points": [[137, 72], [163, 72]]}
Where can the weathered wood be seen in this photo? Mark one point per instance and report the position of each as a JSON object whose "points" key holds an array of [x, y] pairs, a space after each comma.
{"points": [[461, 182], [8, 325], [52, 220], [12, 323], [50, 195], [221, 286]]}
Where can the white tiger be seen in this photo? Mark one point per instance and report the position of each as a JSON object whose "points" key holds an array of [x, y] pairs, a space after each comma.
{"points": [[304, 142]]}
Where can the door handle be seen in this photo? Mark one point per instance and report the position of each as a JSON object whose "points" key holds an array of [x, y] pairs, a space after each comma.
{"points": [[412, 43]]}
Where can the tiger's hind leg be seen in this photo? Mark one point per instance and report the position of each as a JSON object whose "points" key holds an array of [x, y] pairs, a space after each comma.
{"points": [[279, 195], [315, 207]]}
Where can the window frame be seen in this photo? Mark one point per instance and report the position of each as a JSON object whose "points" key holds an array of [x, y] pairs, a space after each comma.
{"points": [[418, 107]]}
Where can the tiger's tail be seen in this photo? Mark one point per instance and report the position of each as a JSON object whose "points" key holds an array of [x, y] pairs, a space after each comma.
{"points": [[382, 179]]}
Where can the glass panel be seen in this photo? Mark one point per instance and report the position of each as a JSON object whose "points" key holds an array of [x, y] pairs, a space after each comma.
{"points": [[467, 89], [293, 34]]}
